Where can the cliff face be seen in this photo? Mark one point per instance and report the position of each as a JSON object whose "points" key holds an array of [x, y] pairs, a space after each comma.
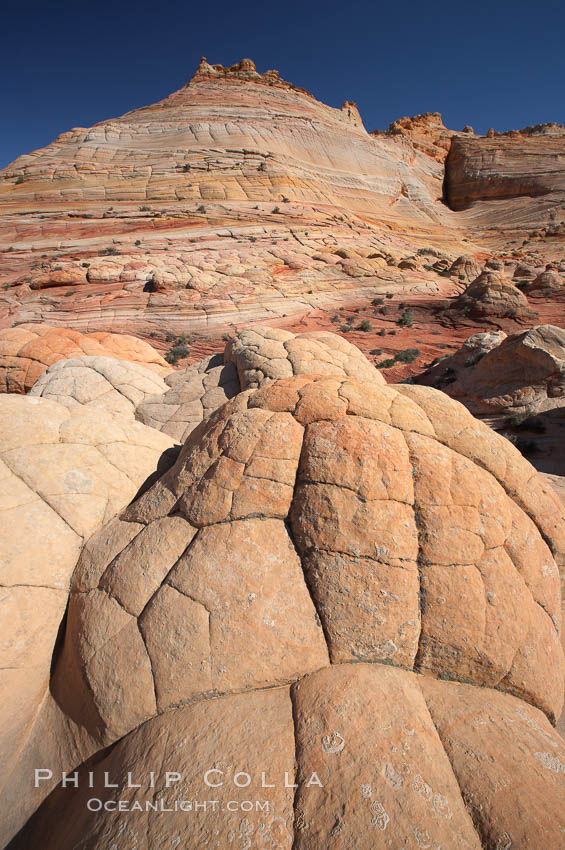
{"points": [[527, 165]]}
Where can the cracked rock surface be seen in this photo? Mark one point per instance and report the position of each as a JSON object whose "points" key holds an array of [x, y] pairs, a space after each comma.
{"points": [[63, 476], [99, 383], [337, 578], [28, 349], [255, 356]]}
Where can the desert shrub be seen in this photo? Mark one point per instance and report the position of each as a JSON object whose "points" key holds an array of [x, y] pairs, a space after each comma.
{"points": [[177, 352], [407, 319], [376, 302], [365, 325], [408, 355]]}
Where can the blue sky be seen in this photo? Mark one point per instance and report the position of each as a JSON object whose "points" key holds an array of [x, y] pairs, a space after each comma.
{"points": [[488, 64]]}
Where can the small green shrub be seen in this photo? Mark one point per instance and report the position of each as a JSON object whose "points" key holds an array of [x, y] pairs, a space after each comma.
{"points": [[407, 319], [408, 355], [365, 326], [177, 352]]}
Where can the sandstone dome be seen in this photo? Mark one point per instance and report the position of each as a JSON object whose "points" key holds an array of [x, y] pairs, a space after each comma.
{"points": [[357, 576], [254, 356], [28, 349], [102, 383], [491, 297], [499, 376], [64, 474]]}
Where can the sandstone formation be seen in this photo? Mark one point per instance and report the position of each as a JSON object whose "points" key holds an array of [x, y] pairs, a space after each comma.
{"points": [[195, 392], [348, 587], [64, 475], [465, 268], [417, 770], [548, 283], [527, 165], [266, 354], [426, 132], [27, 350], [489, 299], [241, 198], [102, 383], [293, 450], [310, 524], [504, 376], [253, 357]]}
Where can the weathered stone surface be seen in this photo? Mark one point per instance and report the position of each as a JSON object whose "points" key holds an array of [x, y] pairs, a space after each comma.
{"points": [[27, 350], [465, 268], [63, 475], [194, 393], [235, 737], [394, 519], [503, 168], [355, 755], [490, 298], [546, 284], [366, 732], [508, 761], [262, 354], [499, 376], [101, 383]]}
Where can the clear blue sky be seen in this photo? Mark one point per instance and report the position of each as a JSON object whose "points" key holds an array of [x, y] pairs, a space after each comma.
{"points": [[488, 64]]}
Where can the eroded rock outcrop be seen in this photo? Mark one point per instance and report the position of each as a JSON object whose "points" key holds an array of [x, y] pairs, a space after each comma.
{"points": [[102, 383], [27, 350], [63, 476], [504, 376], [307, 526], [377, 500], [504, 167], [252, 357], [416, 768], [266, 354], [489, 299]]}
